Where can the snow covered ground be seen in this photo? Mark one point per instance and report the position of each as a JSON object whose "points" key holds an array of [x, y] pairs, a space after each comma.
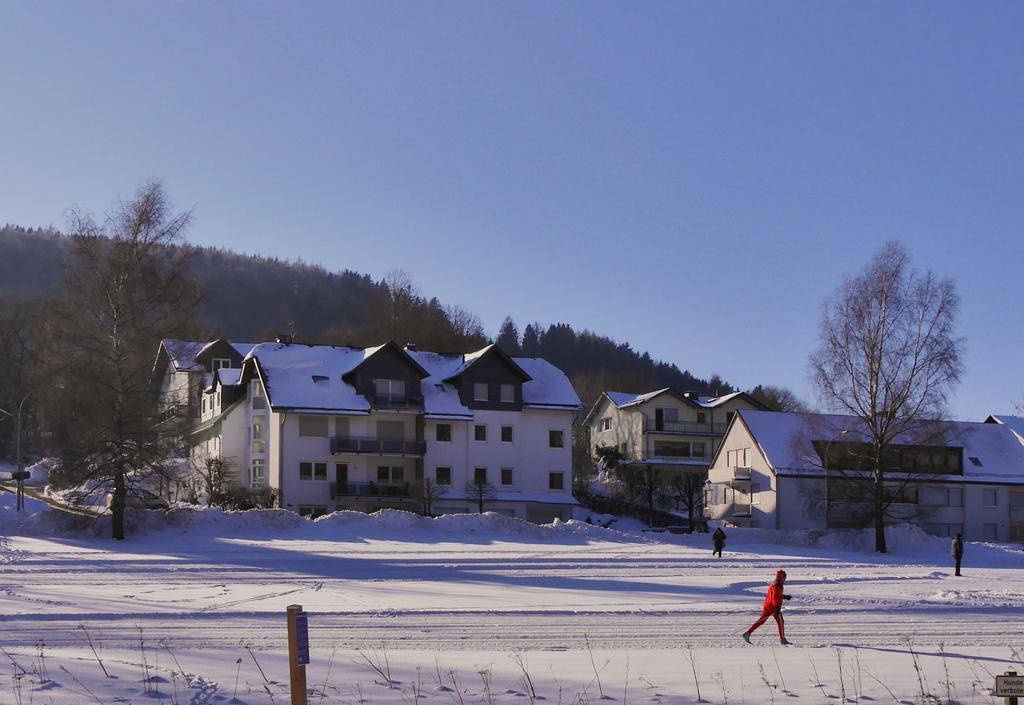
{"points": [[587, 610]]}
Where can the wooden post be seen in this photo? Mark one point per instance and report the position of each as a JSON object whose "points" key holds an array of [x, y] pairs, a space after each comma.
{"points": [[298, 653]]}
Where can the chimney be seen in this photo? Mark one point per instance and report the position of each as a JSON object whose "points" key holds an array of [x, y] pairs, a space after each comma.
{"points": [[691, 395], [283, 339]]}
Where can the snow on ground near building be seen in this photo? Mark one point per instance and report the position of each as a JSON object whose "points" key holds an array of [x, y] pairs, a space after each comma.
{"points": [[467, 592]]}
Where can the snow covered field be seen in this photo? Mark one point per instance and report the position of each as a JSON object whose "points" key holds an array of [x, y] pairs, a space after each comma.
{"points": [[468, 595]]}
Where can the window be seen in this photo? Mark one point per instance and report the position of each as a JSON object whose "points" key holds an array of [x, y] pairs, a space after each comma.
{"points": [[221, 362], [341, 427], [702, 417], [506, 434], [443, 476], [946, 530], [556, 439], [313, 426], [258, 473], [989, 498], [258, 442], [506, 476], [991, 532], [256, 395], [942, 496], [389, 388], [606, 423], [671, 449], [204, 403], [480, 432], [1016, 500], [976, 462], [738, 458], [697, 450], [312, 511], [390, 475], [508, 393], [313, 471], [480, 476], [556, 481], [480, 391], [443, 432]]}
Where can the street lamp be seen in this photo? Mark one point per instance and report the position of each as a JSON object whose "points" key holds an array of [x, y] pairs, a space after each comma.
{"points": [[20, 475]]}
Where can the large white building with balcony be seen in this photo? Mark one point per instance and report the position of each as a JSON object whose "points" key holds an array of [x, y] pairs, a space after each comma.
{"points": [[326, 428], [669, 431], [805, 471]]}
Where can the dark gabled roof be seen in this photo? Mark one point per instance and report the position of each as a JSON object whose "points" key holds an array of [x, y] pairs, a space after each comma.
{"points": [[471, 359], [369, 353]]}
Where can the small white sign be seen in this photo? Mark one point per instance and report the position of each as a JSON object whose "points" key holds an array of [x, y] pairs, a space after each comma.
{"points": [[1009, 686]]}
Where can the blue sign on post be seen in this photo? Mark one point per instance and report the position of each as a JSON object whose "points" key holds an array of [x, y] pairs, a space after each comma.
{"points": [[302, 639]]}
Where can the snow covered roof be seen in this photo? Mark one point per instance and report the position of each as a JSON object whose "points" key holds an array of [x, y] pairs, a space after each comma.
{"points": [[300, 376], [183, 353], [712, 402], [786, 439], [309, 377], [469, 359], [625, 399], [1014, 423], [229, 376]]}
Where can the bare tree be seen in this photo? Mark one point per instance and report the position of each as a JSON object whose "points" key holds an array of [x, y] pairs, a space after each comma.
{"points": [[126, 289], [467, 329], [646, 483], [429, 492], [889, 356], [688, 492], [480, 492], [212, 474]]}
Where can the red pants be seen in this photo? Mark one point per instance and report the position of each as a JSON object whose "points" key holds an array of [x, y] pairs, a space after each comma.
{"points": [[764, 618]]}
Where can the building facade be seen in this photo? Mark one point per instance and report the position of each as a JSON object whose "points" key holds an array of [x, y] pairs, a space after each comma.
{"points": [[326, 428], [805, 471], [671, 432]]}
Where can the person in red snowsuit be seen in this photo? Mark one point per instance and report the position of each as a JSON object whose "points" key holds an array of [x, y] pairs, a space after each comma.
{"points": [[772, 608]]}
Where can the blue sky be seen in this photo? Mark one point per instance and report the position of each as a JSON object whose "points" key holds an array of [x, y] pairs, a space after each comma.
{"points": [[694, 178]]}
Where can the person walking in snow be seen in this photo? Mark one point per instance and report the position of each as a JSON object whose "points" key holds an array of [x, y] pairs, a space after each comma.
{"points": [[957, 549], [718, 540], [772, 608]]}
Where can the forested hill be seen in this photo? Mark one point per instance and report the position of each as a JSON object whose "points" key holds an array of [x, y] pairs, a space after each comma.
{"points": [[248, 297]]}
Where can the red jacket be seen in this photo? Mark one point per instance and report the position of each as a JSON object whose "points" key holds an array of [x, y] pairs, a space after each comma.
{"points": [[773, 600]]}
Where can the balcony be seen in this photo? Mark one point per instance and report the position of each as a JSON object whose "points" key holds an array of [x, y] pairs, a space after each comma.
{"points": [[370, 489], [395, 401], [376, 446], [689, 428]]}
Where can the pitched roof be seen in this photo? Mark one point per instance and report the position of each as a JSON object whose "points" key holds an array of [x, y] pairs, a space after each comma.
{"points": [[627, 399], [313, 377], [1014, 423], [470, 359], [183, 353], [784, 439]]}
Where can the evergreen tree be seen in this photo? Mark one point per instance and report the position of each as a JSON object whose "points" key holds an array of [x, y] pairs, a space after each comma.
{"points": [[508, 336], [531, 341]]}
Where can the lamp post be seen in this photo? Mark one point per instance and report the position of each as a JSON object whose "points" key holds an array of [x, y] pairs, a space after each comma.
{"points": [[19, 476]]}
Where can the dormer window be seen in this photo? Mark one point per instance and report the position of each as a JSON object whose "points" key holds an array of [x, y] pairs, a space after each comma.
{"points": [[480, 391], [256, 395], [508, 393], [389, 388], [220, 363]]}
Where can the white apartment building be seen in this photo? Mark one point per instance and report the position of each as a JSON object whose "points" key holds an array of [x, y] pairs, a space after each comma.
{"points": [[670, 431], [330, 427], [788, 471]]}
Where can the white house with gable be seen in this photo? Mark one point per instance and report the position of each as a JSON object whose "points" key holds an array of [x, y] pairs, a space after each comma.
{"points": [[793, 471], [331, 427]]}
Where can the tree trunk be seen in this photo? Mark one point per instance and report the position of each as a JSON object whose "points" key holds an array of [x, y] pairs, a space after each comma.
{"points": [[879, 512], [117, 507]]}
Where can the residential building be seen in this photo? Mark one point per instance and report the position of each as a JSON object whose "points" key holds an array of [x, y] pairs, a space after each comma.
{"points": [[327, 428], [808, 471], [672, 432]]}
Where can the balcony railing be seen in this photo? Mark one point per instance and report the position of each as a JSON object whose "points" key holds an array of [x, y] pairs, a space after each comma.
{"points": [[376, 446], [687, 427], [395, 401], [370, 489]]}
